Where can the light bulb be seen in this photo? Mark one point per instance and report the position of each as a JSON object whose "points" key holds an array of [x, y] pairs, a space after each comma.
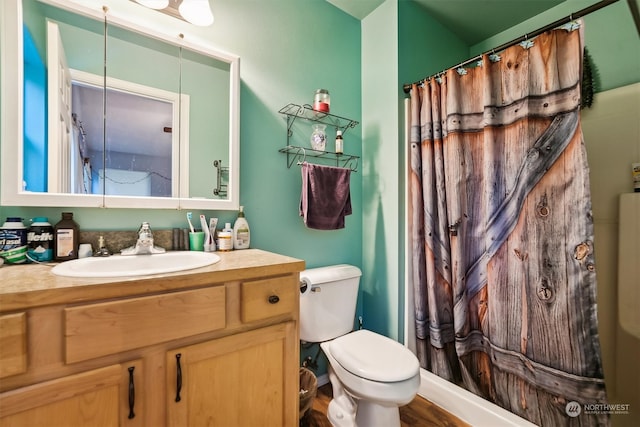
{"points": [[197, 12], [154, 4]]}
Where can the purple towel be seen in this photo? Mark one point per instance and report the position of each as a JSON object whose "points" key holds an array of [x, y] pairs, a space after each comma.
{"points": [[325, 197]]}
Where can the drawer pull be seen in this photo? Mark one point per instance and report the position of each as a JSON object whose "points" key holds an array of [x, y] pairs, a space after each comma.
{"points": [[273, 299], [178, 377], [132, 393]]}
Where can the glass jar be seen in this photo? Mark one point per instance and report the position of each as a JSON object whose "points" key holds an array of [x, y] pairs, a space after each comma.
{"points": [[318, 137], [322, 100]]}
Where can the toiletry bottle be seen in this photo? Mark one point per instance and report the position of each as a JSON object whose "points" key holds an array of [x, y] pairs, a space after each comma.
{"points": [[13, 241], [66, 235], [40, 239], [339, 142], [241, 232], [225, 238]]}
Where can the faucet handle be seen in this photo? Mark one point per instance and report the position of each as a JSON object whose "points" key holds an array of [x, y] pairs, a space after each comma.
{"points": [[145, 229]]}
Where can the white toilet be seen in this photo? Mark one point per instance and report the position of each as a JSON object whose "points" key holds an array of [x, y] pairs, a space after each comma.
{"points": [[371, 375]]}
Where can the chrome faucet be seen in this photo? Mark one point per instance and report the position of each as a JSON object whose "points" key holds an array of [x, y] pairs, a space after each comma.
{"points": [[102, 248], [144, 244]]}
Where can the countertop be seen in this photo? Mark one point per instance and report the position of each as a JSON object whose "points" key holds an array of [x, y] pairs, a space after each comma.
{"points": [[33, 285]]}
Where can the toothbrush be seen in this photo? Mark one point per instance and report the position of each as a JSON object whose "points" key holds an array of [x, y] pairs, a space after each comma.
{"points": [[213, 223], [189, 218], [205, 228]]}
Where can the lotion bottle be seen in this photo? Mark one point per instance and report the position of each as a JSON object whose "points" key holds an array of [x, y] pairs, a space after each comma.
{"points": [[241, 231]]}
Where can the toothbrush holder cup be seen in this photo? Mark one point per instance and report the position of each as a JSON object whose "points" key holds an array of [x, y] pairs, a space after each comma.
{"points": [[196, 241]]}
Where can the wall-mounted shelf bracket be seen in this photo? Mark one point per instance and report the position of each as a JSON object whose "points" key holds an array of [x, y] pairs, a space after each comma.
{"points": [[295, 111], [299, 155]]}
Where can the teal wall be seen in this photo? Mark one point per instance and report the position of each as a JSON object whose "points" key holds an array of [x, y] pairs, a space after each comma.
{"points": [[425, 47], [610, 36], [288, 49], [381, 295]]}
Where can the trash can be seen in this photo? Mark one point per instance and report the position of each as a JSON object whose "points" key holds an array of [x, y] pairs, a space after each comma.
{"points": [[308, 390]]}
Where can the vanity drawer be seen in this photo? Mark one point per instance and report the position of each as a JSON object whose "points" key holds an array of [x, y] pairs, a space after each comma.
{"points": [[261, 299], [111, 327], [13, 344]]}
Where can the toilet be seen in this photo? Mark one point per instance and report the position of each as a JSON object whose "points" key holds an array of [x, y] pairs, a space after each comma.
{"points": [[371, 375]]}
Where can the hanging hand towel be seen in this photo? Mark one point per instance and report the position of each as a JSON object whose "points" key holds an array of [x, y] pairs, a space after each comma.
{"points": [[325, 197]]}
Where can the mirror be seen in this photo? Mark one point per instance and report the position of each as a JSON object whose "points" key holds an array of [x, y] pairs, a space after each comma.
{"points": [[150, 120]]}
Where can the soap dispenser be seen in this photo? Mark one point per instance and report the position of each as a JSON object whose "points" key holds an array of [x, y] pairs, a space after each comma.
{"points": [[241, 232]]}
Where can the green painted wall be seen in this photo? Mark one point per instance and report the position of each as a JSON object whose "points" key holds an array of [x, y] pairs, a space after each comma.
{"points": [[425, 47], [610, 36], [381, 241], [288, 49]]}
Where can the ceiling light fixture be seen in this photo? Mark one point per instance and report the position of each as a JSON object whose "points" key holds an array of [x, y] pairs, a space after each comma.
{"points": [[196, 12], [154, 4]]}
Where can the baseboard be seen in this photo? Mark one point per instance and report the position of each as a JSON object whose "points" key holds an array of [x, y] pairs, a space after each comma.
{"points": [[323, 379]]}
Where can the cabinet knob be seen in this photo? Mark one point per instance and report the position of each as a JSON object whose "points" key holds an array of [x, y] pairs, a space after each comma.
{"points": [[273, 299]]}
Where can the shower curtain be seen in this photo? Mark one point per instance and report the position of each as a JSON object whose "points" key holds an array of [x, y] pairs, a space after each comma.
{"points": [[502, 234]]}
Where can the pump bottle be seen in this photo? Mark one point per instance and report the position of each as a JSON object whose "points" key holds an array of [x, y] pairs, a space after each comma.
{"points": [[241, 231]]}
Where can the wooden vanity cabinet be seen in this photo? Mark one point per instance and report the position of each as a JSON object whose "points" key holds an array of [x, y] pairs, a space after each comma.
{"points": [[99, 397], [220, 354], [239, 380]]}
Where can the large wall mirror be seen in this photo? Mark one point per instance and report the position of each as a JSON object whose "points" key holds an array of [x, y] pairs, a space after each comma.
{"points": [[100, 110]]}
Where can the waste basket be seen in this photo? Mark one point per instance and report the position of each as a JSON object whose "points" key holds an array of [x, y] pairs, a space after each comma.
{"points": [[308, 390]]}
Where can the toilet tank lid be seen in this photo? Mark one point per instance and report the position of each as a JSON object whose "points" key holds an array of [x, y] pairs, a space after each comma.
{"points": [[330, 273]]}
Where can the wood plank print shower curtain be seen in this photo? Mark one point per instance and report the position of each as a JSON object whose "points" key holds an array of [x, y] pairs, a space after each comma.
{"points": [[502, 234]]}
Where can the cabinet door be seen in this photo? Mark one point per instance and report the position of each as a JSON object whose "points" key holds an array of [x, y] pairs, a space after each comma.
{"points": [[249, 379], [95, 398], [13, 344]]}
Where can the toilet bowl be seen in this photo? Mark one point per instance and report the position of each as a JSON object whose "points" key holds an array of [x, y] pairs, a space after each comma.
{"points": [[371, 375]]}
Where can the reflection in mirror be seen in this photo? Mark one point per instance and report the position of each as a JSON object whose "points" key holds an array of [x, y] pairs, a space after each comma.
{"points": [[204, 80], [48, 57], [138, 161], [106, 154], [143, 118]]}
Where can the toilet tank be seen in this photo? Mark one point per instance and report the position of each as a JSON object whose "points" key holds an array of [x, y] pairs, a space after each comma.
{"points": [[328, 297]]}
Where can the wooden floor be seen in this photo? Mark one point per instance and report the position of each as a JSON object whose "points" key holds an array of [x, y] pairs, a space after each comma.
{"points": [[420, 412]]}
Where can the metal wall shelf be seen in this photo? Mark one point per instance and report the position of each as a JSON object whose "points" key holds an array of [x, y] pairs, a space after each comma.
{"points": [[296, 154], [294, 111]]}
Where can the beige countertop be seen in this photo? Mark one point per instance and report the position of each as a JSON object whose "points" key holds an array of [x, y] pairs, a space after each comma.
{"points": [[33, 285]]}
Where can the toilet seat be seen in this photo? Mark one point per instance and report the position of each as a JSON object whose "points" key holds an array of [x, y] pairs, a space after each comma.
{"points": [[374, 357]]}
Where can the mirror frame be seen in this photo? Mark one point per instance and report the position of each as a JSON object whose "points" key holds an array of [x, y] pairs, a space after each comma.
{"points": [[121, 14]]}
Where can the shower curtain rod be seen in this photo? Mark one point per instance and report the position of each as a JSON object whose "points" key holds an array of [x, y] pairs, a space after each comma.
{"points": [[587, 10]]}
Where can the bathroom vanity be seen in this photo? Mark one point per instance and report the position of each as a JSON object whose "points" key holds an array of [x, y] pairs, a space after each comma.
{"points": [[217, 345]]}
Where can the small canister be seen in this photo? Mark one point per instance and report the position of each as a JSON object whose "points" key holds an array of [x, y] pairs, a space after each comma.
{"points": [[13, 241], [322, 100], [40, 240], [225, 238]]}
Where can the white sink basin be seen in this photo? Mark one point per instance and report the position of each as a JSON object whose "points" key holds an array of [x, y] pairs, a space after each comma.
{"points": [[135, 265]]}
